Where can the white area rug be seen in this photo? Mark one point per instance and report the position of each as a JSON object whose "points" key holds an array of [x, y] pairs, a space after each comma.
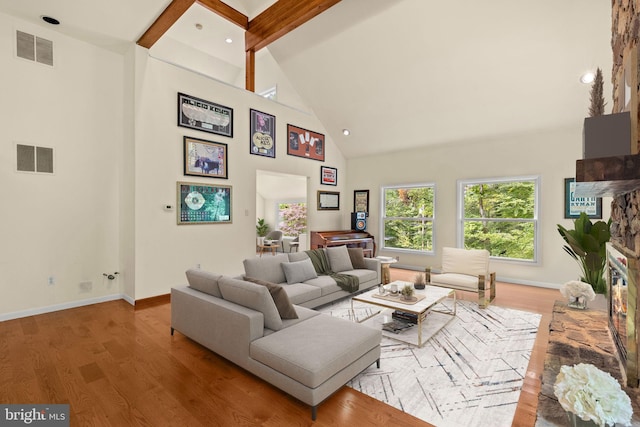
{"points": [[469, 374]]}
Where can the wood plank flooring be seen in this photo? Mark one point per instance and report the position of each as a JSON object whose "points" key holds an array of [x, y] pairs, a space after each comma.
{"points": [[117, 366]]}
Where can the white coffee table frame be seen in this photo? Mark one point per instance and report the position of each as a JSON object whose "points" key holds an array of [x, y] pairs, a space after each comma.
{"points": [[434, 298]]}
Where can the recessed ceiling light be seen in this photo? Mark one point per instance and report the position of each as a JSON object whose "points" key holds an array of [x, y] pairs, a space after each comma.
{"points": [[50, 20], [346, 132], [228, 40], [588, 77], [199, 26]]}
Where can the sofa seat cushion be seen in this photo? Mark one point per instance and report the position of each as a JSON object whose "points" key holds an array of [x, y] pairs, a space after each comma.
{"points": [[252, 296], [299, 293], [326, 284], [363, 275], [313, 351], [457, 280], [266, 268]]}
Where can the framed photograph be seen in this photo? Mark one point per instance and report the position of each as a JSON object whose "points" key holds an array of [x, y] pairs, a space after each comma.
{"points": [[203, 203], [205, 158], [196, 113], [328, 176], [573, 205], [263, 134], [361, 201], [328, 200], [305, 143]]}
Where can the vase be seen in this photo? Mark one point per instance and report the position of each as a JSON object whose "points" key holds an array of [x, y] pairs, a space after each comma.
{"points": [[578, 302], [576, 421]]}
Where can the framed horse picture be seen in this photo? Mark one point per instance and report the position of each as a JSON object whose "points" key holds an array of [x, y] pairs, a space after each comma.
{"points": [[205, 158]]}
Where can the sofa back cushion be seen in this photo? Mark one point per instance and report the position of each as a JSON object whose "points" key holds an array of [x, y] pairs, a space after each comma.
{"points": [[299, 271], [280, 298], [204, 281], [473, 262], [339, 259], [266, 268], [297, 256], [251, 296]]}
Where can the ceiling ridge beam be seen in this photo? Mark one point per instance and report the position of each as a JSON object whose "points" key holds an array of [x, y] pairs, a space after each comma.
{"points": [[281, 18], [230, 14]]}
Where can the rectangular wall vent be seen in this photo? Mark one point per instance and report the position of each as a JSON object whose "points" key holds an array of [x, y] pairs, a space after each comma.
{"points": [[30, 158], [34, 48]]}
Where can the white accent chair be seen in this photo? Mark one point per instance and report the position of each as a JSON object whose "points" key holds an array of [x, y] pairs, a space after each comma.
{"points": [[466, 270]]}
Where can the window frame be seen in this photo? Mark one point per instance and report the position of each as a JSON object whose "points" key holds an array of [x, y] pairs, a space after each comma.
{"points": [[535, 220], [383, 218]]}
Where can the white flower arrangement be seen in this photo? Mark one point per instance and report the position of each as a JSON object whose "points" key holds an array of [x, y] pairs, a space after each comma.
{"points": [[578, 293], [592, 394]]}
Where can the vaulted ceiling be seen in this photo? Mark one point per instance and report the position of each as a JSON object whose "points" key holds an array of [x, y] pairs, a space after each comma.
{"points": [[396, 73]]}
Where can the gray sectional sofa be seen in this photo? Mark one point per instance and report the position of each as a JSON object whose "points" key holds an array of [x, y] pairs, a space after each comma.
{"points": [[253, 323]]}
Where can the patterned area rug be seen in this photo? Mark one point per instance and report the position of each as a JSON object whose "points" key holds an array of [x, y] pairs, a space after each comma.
{"points": [[470, 373]]}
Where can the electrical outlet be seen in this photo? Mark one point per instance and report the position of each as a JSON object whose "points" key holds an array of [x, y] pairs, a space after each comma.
{"points": [[51, 280], [198, 266]]}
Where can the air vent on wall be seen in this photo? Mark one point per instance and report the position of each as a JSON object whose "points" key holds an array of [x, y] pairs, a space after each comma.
{"points": [[34, 48], [34, 159]]}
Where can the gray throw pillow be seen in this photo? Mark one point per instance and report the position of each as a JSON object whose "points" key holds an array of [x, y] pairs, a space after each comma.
{"points": [[339, 259], [204, 281], [280, 298], [357, 258], [251, 296], [299, 271]]}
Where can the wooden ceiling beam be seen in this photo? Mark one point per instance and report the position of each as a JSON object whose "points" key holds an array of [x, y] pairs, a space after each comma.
{"points": [[171, 14], [281, 18], [227, 12]]}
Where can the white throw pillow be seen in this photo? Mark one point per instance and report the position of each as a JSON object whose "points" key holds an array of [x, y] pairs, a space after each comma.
{"points": [[339, 259], [299, 271]]}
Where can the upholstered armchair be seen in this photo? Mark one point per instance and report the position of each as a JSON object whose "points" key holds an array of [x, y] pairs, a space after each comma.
{"points": [[275, 237]]}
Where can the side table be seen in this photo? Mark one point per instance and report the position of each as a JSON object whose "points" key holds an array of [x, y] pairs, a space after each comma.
{"points": [[385, 263]]}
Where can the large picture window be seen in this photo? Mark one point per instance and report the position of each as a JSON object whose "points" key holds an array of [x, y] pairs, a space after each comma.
{"points": [[408, 217], [500, 215]]}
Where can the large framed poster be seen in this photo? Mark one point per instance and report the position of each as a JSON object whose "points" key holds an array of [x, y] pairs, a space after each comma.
{"points": [[573, 205], [263, 134], [203, 203], [305, 143], [207, 116]]}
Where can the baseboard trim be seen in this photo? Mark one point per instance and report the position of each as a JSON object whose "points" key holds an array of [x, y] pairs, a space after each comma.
{"points": [[152, 301], [58, 307]]}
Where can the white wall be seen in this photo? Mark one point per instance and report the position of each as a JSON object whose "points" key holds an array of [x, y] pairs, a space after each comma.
{"points": [[551, 155], [63, 225], [165, 250]]}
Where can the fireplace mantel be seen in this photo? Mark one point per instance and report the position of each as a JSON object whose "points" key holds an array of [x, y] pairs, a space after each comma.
{"points": [[607, 176]]}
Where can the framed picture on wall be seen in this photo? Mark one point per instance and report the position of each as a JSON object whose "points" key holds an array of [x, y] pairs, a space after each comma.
{"points": [[361, 201], [203, 203], [305, 143], [263, 134], [328, 176], [328, 200], [574, 205], [205, 158], [207, 116]]}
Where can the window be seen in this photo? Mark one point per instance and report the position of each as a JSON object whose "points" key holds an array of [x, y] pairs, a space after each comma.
{"points": [[500, 215], [408, 217], [292, 218]]}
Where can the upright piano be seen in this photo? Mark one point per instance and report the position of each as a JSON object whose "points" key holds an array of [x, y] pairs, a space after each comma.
{"points": [[351, 238]]}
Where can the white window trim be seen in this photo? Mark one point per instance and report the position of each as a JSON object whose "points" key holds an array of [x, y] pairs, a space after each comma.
{"points": [[536, 220], [383, 218]]}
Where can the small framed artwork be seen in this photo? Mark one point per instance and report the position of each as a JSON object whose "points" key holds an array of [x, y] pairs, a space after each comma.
{"points": [[203, 203], [263, 134], [574, 205], [361, 201], [328, 176], [328, 200], [205, 158], [196, 113], [305, 143]]}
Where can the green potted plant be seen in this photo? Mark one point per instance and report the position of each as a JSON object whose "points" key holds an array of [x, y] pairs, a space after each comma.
{"points": [[262, 228], [407, 291], [586, 243]]}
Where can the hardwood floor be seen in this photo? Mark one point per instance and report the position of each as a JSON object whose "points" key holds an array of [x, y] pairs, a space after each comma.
{"points": [[117, 366]]}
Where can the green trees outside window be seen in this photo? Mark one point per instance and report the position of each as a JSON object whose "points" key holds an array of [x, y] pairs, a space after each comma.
{"points": [[500, 216], [408, 217]]}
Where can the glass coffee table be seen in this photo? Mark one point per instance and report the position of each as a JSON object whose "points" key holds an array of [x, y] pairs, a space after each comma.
{"points": [[427, 311]]}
